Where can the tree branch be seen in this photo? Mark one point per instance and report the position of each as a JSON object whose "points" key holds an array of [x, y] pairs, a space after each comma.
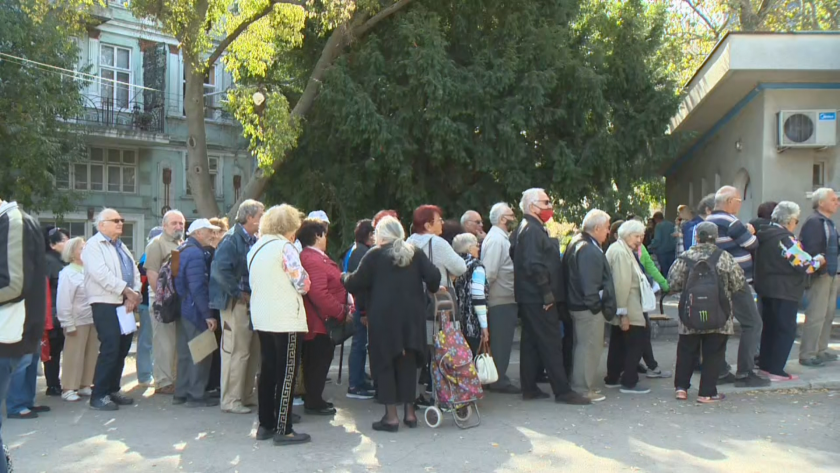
{"points": [[223, 45], [385, 13], [703, 17]]}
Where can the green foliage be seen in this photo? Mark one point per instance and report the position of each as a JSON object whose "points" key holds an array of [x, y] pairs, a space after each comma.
{"points": [[267, 143], [467, 103], [36, 102]]}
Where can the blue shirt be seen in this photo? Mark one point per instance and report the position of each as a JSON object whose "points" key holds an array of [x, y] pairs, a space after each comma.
{"points": [[126, 264], [244, 283]]}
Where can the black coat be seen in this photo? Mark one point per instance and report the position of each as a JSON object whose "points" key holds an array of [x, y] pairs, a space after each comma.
{"points": [[589, 278], [532, 253], [54, 266], [775, 277], [396, 304]]}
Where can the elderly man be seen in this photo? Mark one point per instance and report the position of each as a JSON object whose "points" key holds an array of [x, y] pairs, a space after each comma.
{"points": [[112, 282], [503, 312], [591, 298], [739, 241], [192, 283], [143, 361], [532, 252], [230, 293], [819, 236], [163, 335], [472, 223]]}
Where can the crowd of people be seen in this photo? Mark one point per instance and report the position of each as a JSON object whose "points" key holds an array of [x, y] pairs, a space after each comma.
{"points": [[269, 296]]}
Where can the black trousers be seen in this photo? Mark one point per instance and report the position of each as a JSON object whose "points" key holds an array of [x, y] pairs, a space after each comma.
{"points": [[317, 356], [113, 348], [713, 346], [397, 383], [541, 343], [279, 354], [778, 334], [53, 367], [626, 350], [215, 379], [568, 346], [647, 355]]}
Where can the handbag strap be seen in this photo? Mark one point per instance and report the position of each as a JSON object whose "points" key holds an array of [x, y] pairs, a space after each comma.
{"points": [[258, 252]]}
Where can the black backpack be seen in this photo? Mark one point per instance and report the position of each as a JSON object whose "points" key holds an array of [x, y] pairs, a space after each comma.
{"points": [[703, 303]]}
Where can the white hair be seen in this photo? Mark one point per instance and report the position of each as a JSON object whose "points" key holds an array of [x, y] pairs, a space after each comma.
{"points": [[171, 213], [248, 208], [390, 230], [594, 219], [723, 195], [70, 248], [529, 198], [466, 216], [629, 228], [463, 242], [497, 211], [101, 216], [784, 212], [820, 195]]}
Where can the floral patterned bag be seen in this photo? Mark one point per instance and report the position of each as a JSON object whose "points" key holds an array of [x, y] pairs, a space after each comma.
{"points": [[456, 380]]}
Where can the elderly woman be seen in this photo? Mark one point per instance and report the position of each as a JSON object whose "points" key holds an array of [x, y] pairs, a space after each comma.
{"points": [[81, 345], [628, 335], [391, 273], [278, 283], [326, 299], [781, 266], [471, 289]]}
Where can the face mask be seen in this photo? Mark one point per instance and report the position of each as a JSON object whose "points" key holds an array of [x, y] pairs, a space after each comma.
{"points": [[511, 225], [546, 215]]}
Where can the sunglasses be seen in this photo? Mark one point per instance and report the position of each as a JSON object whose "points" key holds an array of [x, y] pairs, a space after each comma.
{"points": [[118, 221]]}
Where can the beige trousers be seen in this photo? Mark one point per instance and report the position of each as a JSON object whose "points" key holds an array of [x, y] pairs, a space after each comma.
{"points": [[589, 346], [164, 342], [822, 304], [240, 357], [81, 348]]}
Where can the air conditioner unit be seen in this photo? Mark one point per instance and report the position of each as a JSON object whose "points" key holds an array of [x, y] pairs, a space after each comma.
{"points": [[807, 128]]}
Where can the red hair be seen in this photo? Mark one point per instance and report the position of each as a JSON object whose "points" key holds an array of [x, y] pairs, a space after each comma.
{"points": [[382, 214], [423, 215]]}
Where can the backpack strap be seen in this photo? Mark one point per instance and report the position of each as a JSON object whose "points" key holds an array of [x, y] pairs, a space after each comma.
{"points": [[346, 263], [713, 260]]}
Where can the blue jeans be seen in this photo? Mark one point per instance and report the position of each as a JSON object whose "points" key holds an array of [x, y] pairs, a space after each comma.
{"points": [[358, 354], [21, 393], [145, 363], [7, 368]]}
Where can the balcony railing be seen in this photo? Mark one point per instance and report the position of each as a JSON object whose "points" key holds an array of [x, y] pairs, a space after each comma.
{"points": [[141, 110]]}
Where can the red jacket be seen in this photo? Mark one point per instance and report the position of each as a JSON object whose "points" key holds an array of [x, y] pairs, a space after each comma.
{"points": [[326, 292]]}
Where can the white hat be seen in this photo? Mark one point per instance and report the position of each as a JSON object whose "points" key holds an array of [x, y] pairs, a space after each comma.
{"points": [[319, 215], [202, 223]]}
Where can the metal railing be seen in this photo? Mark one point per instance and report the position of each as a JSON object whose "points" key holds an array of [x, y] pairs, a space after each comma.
{"points": [[126, 108]]}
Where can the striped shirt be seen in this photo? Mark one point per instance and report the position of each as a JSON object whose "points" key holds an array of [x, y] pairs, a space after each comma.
{"points": [[734, 238]]}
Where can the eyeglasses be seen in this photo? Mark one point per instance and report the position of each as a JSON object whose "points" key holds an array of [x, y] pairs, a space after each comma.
{"points": [[118, 221], [477, 222], [544, 202]]}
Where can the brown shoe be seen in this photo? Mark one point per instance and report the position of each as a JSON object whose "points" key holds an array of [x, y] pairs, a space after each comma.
{"points": [[165, 390]]}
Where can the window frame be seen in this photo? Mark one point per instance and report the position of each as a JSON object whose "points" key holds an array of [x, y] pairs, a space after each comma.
{"points": [[115, 70], [218, 178], [136, 238], [89, 164]]}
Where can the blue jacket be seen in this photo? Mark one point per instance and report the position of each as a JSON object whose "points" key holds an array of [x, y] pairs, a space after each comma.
{"points": [[818, 235], [228, 267], [688, 232], [192, 283]]}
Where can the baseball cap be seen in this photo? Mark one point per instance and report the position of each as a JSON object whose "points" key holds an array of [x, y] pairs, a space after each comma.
{"points": [[154, 232], [707, 232], [319, 215], [202, 223]]}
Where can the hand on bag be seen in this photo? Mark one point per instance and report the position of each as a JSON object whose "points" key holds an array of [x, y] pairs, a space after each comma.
{"points": [[443, 289], [485, 335], [625, 323], [212, 325], [547, 307], [820, 259]]}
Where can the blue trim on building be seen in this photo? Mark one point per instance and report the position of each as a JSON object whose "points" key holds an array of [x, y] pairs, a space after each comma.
{"points": [[735, 110]]}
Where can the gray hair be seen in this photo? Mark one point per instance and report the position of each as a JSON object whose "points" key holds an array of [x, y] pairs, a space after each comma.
{"points": [[594, 219], [100, 217], [390, 230], [529, 197], [248, 208], [171, 213], [497, 211], [463, 242], [723, 195], [706, 205], [820, 195], [70, 248], [466, 216], [784, 212], [630, 227]]}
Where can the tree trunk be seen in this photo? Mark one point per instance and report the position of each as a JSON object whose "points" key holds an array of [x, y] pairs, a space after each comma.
{"points": [[198, 169]]}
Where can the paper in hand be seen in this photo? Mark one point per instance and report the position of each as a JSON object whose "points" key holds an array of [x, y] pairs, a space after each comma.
{"points": [[127, 323], [202, 346]]}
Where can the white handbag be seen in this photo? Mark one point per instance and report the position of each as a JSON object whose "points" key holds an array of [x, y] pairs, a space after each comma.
{"points": [[485, 366], [648, 296]]}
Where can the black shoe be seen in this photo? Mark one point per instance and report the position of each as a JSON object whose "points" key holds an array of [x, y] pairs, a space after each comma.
{"points": [[264, 433], [214, 394], [509, 389], [54, 391], [177, 401], [103, 404], [640, 368], [535, 396], [542, 379], [40, 409], [573, 399], [208, 402], [383, 426], [121, 400], [752, 380], [423, 402], [20, 415], [326, 411], [293, 439], [728, 379]]}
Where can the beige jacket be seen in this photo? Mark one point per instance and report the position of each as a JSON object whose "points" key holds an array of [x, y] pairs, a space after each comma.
{"points": [[72, 307], [103, 282], [276, 305], [626, 274]]}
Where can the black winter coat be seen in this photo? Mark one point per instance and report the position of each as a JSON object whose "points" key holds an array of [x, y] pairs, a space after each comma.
{"points": [[775, 277], [396, 309], [532, 253], [589, 284], [54, 266]]}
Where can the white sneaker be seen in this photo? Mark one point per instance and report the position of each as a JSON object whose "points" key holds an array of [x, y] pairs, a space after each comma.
{"points": [[70, 396], [297, 402], [238, 409], [86, 392]]}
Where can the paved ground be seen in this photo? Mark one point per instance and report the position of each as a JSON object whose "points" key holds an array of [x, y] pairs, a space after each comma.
{"points": [[750, 432]]}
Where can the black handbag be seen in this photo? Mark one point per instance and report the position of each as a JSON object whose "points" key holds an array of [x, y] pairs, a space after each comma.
{"points": [[338, 332]]}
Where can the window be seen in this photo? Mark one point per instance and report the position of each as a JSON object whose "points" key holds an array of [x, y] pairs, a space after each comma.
{"points": [[818, 179], [78, 226], [106, 170], [115, 71], [209, 88], [215, 176]]}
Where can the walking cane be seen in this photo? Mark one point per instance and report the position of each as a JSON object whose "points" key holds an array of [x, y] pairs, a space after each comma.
{"points": [[340, 362]]}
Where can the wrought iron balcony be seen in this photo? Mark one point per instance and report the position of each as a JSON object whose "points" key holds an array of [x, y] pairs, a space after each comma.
{"points": [[125, 108]]}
